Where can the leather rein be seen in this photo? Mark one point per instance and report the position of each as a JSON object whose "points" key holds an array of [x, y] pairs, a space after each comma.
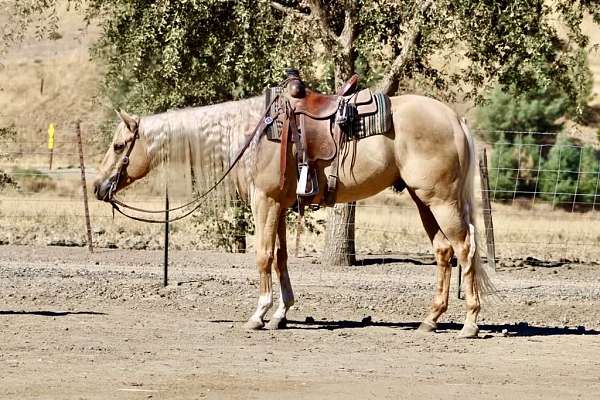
{"points": [[116, 204]]}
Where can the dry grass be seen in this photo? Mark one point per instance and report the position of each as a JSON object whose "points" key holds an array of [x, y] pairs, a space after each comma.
{"points": [[71, 82], [387, 225]]}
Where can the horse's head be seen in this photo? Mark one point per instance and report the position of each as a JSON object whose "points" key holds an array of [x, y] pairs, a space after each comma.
{"points": [[125, 161]]}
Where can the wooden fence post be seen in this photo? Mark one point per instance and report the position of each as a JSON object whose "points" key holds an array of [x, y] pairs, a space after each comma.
{"points": [[50, 144], [487, 210], [84, 188]]}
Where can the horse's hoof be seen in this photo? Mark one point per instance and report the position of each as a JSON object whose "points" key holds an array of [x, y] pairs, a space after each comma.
{"points": [[427, 326], [277, 323], [254, 325], [469, 331]]}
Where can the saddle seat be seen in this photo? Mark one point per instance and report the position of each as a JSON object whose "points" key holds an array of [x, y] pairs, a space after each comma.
{"points": [[317, 105], [315, 113]]}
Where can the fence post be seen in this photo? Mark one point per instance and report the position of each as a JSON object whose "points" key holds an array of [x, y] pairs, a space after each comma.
{"points": [[50, 144], [84, 188], [487, 210], [166, 264]]}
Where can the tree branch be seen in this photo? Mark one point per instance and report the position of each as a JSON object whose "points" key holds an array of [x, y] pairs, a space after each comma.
{"points": [[389, 82], [289, 10], [327, 33], [346, 38]]}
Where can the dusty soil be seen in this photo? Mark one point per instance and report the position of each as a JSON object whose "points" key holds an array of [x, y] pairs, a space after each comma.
{"points": [[80, 326]]}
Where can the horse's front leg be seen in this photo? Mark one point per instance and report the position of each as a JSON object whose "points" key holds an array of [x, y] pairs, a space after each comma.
{"points": [[266, 213], [286, 294]]}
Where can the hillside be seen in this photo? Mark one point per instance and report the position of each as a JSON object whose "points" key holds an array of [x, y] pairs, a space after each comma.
{"points": [[70, 82]]}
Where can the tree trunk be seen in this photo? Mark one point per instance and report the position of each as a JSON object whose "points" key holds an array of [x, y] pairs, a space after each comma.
{"points": [[339, 246], [339, 236]]}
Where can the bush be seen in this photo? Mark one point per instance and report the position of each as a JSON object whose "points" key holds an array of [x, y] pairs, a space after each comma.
{"points": [[6, 181], [33, 180], [514, 167], [570, 174]]}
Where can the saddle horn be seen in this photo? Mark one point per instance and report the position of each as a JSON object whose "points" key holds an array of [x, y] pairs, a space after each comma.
{"points": [[296, 87]]}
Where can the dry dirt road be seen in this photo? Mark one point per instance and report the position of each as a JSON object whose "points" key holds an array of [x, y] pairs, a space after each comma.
{"points": [[79, 326]]}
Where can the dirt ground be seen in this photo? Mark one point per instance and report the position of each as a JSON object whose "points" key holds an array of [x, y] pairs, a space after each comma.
{"points": [[101, 326]]}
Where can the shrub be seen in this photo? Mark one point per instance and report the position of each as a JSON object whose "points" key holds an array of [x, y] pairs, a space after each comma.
{"points": [[33, 180], [570, 174], [514, 167]]}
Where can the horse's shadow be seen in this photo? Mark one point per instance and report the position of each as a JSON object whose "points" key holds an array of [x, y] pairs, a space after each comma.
{"points": [[519, 329], [44, 313], [415, 260]]}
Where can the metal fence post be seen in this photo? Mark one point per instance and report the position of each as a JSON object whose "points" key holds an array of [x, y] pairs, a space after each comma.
{"points": [[166, 264]]}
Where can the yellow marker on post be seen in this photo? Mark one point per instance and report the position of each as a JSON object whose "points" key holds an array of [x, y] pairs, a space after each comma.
{"points": [[50, 142], [50, 136]]}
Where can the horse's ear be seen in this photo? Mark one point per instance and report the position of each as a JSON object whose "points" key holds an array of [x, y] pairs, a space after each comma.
{"points": [[131, 121]]}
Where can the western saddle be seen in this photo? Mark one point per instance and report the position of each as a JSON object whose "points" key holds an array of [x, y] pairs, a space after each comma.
{"points": [[316, 123]]}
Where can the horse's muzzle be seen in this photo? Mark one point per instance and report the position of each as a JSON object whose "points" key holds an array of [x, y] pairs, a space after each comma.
{"points": [[106, 189]]}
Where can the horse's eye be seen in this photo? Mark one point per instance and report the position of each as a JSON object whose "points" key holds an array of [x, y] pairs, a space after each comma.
{"points": [[119, 147]]}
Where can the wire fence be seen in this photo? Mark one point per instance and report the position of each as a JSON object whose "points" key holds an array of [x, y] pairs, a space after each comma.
{"points": [[544, 204]]}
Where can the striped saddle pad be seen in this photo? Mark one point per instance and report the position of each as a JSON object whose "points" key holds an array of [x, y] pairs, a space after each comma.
{"points": [[369, 123], [366, 118]]}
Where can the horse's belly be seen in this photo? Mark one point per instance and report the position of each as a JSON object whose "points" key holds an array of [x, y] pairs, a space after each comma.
{"points": [[368, 168]]}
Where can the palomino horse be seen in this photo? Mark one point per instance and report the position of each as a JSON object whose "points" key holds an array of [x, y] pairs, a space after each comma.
{"points": [[428, 148]]}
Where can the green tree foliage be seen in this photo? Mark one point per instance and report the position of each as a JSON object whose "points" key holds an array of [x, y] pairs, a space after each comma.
{"points": [[162, 54], [537, 109], [570, 174], [514, 167]]}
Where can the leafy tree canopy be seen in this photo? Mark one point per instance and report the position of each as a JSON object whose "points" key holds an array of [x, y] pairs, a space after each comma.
{"points": [[162, 54]]}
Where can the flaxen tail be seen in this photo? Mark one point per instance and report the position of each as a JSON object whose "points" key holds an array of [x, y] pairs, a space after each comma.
{"points": [[483, 284]]}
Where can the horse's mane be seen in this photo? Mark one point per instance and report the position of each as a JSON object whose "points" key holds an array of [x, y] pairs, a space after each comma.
{"points": [[205, 138]]}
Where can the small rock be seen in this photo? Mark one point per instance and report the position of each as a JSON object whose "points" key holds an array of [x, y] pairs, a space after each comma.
{"points": [[505, 332], [309, 320], [367, 320]]}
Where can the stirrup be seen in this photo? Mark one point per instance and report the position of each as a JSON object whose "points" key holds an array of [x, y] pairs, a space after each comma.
{"points": [[301, 187]]}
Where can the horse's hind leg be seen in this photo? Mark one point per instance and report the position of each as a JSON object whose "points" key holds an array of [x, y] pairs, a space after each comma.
{"points": [[266, 213], [286, 294], [443, 255], [461, 235]]}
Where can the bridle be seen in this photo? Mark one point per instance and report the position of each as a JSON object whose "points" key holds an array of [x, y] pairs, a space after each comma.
{"points": [[265, 120], [123, 165]]}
